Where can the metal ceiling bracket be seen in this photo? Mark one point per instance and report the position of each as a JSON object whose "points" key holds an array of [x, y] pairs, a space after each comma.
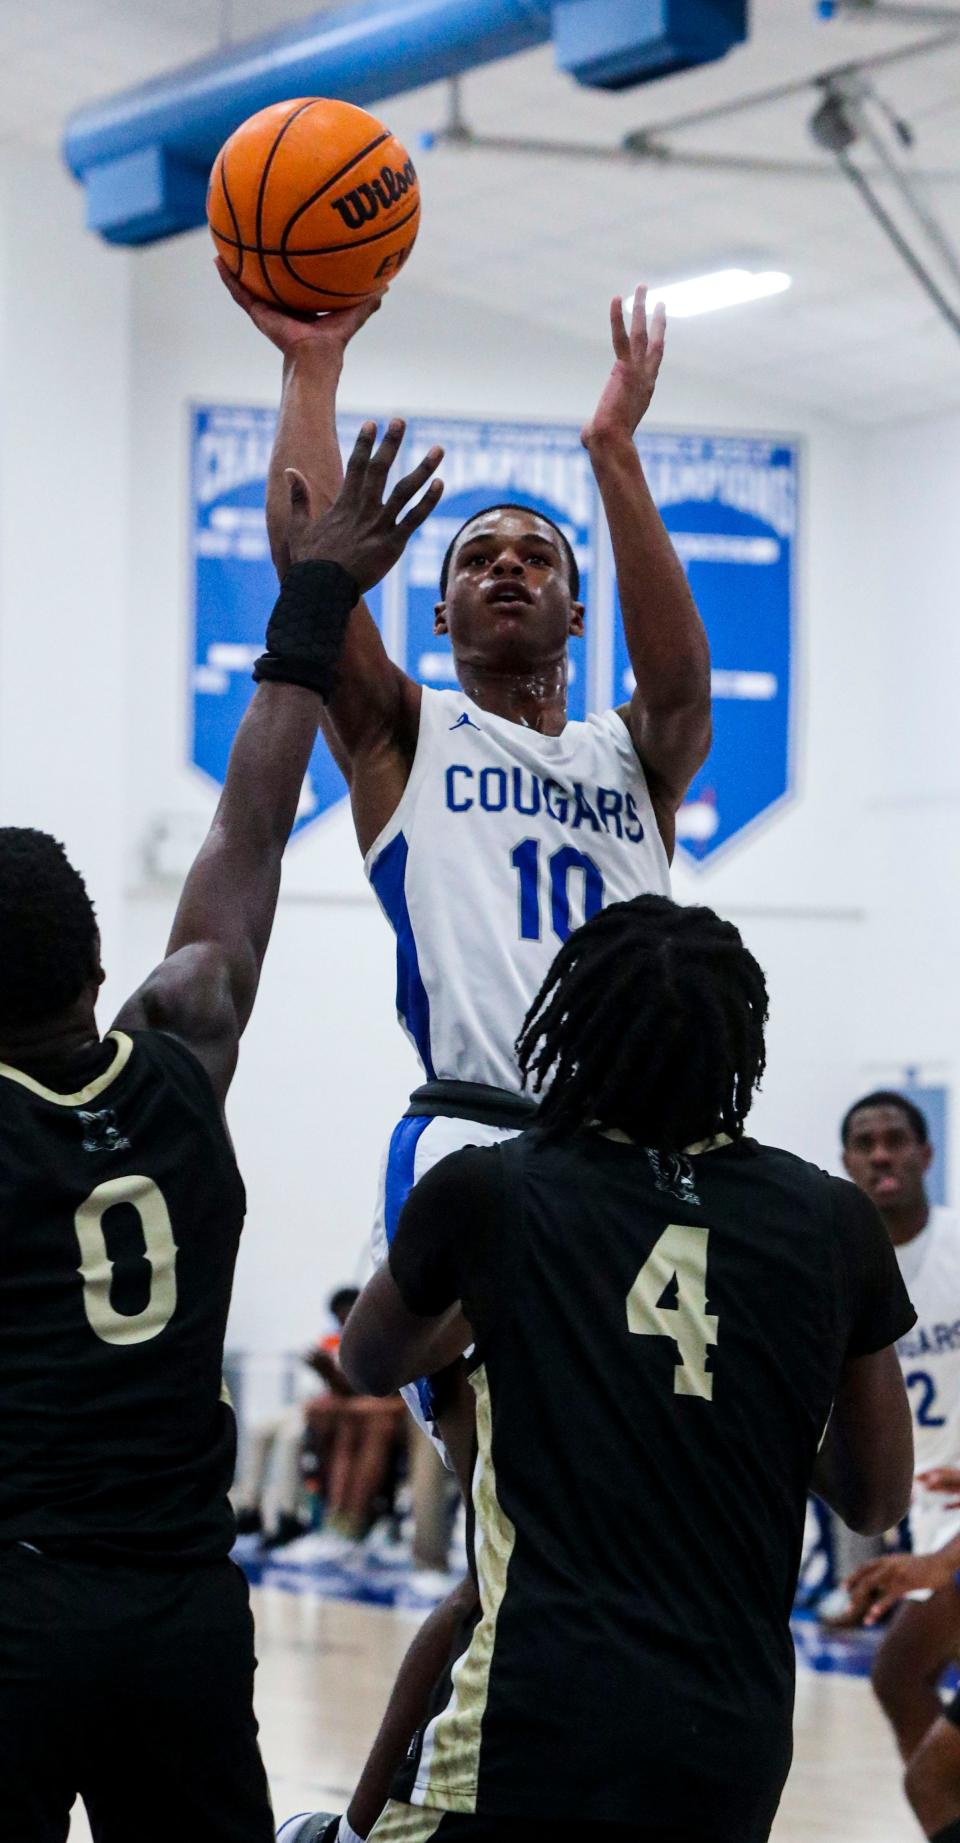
{"points": [[838, 124]]}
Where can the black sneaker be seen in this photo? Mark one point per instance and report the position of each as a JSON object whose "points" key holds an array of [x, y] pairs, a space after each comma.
{"points": [[288, 1529], [310, 1827], [249, 1523]]}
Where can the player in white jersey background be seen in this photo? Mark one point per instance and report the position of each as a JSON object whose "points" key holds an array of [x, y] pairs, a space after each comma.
{"points": [[490, 825], [887, 1152]]}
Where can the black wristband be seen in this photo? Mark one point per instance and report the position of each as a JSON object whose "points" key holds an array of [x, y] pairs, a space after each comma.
{"points": [[306, 630]]}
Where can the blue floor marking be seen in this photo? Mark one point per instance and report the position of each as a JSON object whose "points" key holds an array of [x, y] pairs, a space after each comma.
{"points": [[364, 1580], [368, 1582], [844, 1653]]}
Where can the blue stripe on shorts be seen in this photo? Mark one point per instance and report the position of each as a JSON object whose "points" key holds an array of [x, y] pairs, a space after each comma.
{"points": [[399, 1183]]}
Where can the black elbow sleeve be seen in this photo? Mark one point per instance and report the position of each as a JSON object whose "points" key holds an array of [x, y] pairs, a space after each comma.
{"points": [[308, 626]]}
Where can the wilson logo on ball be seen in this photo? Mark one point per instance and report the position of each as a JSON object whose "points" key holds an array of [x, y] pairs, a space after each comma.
{"points": [[363, 203]]}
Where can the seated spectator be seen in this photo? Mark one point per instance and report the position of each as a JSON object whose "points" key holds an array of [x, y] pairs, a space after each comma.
{"points": [[358, 1439], [434, 1499], [270, 1483]]}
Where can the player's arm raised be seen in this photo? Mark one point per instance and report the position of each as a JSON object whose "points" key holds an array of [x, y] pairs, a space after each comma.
{"points": [[204, 990], [372, 721], [669, 713]]}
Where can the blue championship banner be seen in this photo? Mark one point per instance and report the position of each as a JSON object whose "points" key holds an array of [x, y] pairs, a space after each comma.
{"points": [[729, 502], [235, 587], [730, 506]]}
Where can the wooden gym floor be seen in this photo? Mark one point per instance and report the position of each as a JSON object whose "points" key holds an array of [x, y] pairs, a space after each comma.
{"points": [[326, 1665]]}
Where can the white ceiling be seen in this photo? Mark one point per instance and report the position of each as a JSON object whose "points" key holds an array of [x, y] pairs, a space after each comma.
{"points": [[552, 237]]}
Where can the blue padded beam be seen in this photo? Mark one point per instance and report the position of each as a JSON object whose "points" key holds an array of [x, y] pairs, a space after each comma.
{"points": [[611, 44], [360, 52], [144, 157]]}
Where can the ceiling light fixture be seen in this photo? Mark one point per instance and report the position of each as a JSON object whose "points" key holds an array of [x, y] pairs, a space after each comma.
{"points": [[703, 294]]}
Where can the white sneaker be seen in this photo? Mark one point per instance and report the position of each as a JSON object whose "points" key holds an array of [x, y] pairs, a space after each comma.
{"points": [[835, 1608], [309, 1827], [381, 1545], [432, 1583], [319, 1546]]}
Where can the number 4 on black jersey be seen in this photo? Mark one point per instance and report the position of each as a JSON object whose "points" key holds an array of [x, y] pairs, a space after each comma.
{"points": [[658, 1342]]}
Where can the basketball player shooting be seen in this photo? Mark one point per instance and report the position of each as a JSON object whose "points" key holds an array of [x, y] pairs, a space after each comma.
{"points": [[126, 1643], [490, 824]]}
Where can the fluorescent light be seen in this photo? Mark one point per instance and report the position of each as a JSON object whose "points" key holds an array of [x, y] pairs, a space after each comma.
{"points": [[702, 294]]}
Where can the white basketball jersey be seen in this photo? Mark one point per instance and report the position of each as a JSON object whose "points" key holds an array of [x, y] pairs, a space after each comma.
{"points": [[930, 1360], [503, 843]]}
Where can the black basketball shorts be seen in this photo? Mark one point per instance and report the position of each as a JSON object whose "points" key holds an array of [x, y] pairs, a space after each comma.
{"points": [[417, 1824], [133, 1688]]}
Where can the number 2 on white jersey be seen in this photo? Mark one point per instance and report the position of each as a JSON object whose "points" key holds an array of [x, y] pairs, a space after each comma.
{"points": [[923, 1409], [680, 1254]]}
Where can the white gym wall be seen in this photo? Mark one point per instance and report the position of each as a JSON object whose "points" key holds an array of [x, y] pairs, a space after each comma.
{"points": [[847, 894]]}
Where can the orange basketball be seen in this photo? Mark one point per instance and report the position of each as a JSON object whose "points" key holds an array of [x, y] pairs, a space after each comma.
{"points": [[313, 204]]}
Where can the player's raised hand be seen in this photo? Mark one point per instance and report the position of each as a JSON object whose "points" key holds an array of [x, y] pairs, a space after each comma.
{"points": [[638, 355], [362, 531], [289, 332], [878, 1585]]}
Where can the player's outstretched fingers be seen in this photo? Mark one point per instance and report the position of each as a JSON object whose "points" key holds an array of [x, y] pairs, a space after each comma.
{"points": [[865, 1578], [656, 338], [419, 513], [859, 1604], [411, 483], [638, 324], [388, 450], [351, 319], [356, 468], [276, 322], [618, 328], [882, 1605], [241, 295]]}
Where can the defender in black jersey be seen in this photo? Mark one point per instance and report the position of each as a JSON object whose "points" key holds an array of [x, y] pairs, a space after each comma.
{"points": [[126, 1643], [665, 1317]]}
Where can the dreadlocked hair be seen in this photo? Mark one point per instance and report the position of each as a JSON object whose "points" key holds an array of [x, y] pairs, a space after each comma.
{"points": [[651, 1019], [48, 929]]}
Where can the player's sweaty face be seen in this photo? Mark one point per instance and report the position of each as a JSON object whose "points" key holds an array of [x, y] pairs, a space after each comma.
{"points": [[508, 596], [885, 1158]]}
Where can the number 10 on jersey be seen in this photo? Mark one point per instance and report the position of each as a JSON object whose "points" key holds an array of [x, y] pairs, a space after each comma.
{"points": [[525, 859]]}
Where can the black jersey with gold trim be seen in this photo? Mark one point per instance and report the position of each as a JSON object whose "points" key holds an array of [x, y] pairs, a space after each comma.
{"points": [[121, 1208], [658, 1343]]}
